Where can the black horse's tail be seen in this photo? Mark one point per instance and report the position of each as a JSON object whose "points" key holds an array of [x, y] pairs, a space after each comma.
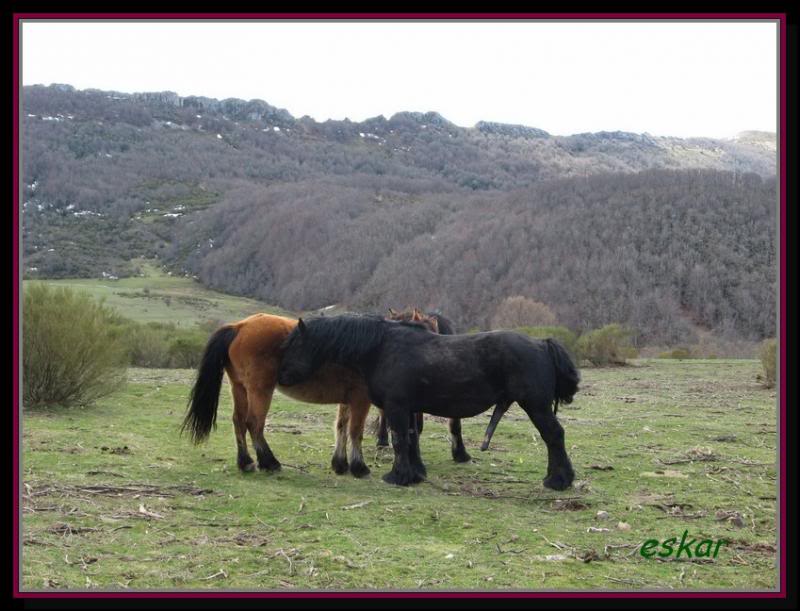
{"points": [[567, 376], [204, 398]]}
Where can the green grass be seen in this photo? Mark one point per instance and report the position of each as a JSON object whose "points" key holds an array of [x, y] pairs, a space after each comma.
{"points": [[488, 524], [159, 297]]}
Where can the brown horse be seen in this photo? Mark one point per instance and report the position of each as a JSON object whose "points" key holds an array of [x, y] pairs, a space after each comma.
{"points": [[249, 351]]}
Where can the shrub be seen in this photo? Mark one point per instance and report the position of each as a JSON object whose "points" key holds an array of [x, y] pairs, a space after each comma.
{"points": [[147, 345], [609, 345], [162, 345], [568, 338], [69, 354], [185, 351], [677, 353], [769, 357], [521, 311]]}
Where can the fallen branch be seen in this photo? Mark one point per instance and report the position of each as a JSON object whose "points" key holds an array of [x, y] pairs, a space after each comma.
{"points": [[357, 505], [217, 574], [289, 560]]}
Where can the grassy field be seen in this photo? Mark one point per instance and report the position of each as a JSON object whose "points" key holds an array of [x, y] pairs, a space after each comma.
{"points": [[113, 498], [159, 297]]}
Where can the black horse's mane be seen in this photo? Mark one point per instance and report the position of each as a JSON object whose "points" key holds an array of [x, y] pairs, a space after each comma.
{"points": [[346, 337]]}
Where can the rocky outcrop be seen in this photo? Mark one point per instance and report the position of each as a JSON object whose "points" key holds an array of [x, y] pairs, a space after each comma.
{"points": [[165, 98], [511, 130]]}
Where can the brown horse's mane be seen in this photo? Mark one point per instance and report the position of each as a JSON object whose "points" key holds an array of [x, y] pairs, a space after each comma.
{"points": [[415, 315]]}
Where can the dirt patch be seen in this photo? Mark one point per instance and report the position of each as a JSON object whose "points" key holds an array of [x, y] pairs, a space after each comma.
{"points": [[478, 491], [698, 454], [244, 539], [757, 547], [670, 506], [62, 528], [664, 473], [569, 505]]}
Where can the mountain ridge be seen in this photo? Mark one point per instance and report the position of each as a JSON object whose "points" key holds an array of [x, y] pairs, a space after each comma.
{"points": [[249, 109], [604, 226]]}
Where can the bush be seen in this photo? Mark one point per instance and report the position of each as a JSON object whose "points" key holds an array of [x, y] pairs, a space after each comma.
{"points": [[769, 357], [147, 345], [519, 311], [609, 345], [677, 353], [185, 351], [567, 338], [69, 354], [161, 345]]}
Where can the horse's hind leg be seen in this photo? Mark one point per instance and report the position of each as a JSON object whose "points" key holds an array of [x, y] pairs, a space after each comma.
{"points": [[457, 448], [240, 409], [259, 401], [339, 459], [559, 468], [383, 431], [358, 417]]}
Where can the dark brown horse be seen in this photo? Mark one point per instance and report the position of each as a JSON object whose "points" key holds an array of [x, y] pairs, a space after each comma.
{"points": [[249, 351]]}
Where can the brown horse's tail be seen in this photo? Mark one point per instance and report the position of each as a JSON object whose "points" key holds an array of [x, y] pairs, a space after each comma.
{"points": [[201, 416]]}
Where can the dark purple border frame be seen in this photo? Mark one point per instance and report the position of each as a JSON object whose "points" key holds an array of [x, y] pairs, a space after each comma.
{"points": [[780, 17]]}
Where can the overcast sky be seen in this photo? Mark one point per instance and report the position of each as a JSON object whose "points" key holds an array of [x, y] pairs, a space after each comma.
{"points": [[668, 79]]}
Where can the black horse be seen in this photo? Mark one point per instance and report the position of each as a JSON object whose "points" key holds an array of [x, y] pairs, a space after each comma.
{"points": [[437, 322], [409, 369]]}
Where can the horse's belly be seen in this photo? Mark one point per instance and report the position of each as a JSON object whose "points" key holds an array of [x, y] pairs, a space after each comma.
{"points": [[455, 400], [308, 392], [330, 384], [457, 410]]}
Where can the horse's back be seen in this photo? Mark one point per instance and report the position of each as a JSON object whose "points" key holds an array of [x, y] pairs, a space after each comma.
{"points": [[507, 361], [255, 351]]}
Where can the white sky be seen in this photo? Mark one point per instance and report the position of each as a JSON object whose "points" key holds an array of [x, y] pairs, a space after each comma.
{"points": [[668, 79]]}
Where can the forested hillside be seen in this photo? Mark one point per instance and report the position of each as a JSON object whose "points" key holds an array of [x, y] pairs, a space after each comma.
{"points": [[664, 234]]}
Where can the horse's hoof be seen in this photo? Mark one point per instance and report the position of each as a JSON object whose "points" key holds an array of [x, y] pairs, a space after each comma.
{"points": [[559, 480], [248, 468], [461, 456], [339, 465], [359, 469], [398, 479], [272, 467], [420, 470]]}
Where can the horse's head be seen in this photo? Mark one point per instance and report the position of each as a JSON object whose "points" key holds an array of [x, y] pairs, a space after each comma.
{"points": [[297, 362], [415, 315]]}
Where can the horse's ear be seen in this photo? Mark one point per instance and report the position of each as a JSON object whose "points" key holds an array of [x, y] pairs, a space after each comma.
{"points": [[392, 312], [301, 325]]}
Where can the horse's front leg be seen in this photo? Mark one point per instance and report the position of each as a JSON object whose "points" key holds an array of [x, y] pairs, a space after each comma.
{"points": [[402, 473], [414, 456]]}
